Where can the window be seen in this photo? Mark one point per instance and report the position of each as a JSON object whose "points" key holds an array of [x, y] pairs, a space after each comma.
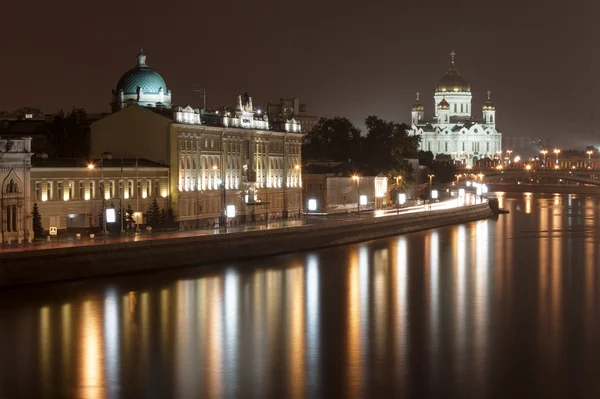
{"points": [[111, 189], [446, 146], [247, 148], [120, 188], [148, 193], [48, 190], [101, 190], [139, 189], [71, 188], [38, 191], [212, 144], [59, 189], [81, 190], [461, 108], [130, 188], [487, 147], [91, 189], [157, 187], [463, 146]]}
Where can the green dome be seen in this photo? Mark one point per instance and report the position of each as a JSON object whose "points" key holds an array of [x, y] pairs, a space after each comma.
{"points": [[143, 77]]}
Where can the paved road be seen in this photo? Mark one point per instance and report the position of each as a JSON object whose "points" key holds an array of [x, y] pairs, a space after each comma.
{"points": [[310, 220]]}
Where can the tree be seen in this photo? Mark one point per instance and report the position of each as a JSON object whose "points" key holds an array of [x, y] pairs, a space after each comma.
{"points": [[335, 139], [38, 230], [387, 146], [153, 214], [70, 134]]}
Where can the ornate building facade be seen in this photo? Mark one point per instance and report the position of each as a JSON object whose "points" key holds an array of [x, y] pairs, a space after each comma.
{"points": [[15, 172], [215, 159], [453, 131]]}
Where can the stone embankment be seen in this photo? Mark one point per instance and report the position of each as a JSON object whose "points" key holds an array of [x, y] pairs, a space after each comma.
{"points": [[114, 258]]}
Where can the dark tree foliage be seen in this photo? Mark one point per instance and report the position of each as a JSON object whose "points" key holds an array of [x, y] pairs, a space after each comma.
{"points": [[38, 230], [387, 146], [335, 139], [69, 135], [153, 214]]}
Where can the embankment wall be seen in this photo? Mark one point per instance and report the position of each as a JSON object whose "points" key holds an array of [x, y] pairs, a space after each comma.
{"points": [[90, 261]]}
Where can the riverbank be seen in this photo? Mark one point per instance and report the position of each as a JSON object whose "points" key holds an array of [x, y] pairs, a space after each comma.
{"points": [[68, 263]]}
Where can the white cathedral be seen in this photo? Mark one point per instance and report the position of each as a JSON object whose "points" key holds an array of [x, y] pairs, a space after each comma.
{"points": [[453, 131]]}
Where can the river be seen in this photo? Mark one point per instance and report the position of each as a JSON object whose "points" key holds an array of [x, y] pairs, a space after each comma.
{"points": [[495, 308]]}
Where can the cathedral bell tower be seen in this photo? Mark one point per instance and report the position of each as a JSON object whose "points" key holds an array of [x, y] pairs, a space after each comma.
{"points": [[418, 112], [489, 111]]}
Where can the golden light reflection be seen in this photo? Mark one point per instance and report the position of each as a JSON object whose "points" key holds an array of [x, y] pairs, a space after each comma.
{"points": [[45, 347], [294, 282], [380, 306], [66, 341], [528, 201], [589, 259], [354, 362], [213, 345], [92, 379]]}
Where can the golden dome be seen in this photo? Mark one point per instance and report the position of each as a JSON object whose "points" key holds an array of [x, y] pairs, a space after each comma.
{"points": [[418, 107], [452, 81], [489, 106]]}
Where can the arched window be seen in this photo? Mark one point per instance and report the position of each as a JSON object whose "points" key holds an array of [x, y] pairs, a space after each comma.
{"points": [[491, 118], [11, 187]]}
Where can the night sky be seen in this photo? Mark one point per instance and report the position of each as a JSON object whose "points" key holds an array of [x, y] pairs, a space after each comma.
{"points": [[350, 58]]}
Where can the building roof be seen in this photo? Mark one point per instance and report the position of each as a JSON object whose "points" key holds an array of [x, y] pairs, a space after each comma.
{"points": [[452, 81], [143, 77], [83, 163]]}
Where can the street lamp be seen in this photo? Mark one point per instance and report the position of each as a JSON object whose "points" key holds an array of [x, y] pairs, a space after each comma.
{"points": [[556, 151], [91, 166], [544, 152], [221, 182], [357, 179], [509, 152], [589, 152], [430, 183]]}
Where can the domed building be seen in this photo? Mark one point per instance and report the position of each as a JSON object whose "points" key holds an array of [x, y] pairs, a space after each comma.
{"points": [[453, 131], [141, 86]]}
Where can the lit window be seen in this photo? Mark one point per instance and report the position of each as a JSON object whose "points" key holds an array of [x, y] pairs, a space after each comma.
{"points": [[38, 191], [59, 190]]}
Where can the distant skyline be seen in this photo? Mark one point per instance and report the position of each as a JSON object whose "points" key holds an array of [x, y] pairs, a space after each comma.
{"points": [[341, 58]]}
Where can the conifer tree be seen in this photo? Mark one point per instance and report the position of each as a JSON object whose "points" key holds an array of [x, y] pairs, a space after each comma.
{"points": [[38, 230]]}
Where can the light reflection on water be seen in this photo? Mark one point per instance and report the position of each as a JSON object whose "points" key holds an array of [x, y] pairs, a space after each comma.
{"points": [[489, 308]]}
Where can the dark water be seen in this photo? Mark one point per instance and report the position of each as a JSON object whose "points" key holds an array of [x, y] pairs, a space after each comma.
{"points": [[497, 308]]}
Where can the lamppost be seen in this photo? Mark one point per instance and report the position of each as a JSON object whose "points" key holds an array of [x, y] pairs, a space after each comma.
{"points": [[357, 179], [544, 152], [221, 183], [102, 195], [509, 152], [557, 151], [589, 152], [430, 184], [397, 194]]}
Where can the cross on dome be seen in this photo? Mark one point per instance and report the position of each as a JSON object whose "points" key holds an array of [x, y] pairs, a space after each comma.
{"points": [[489, 93], [141, 58], [418, 94], [453, 54]]}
